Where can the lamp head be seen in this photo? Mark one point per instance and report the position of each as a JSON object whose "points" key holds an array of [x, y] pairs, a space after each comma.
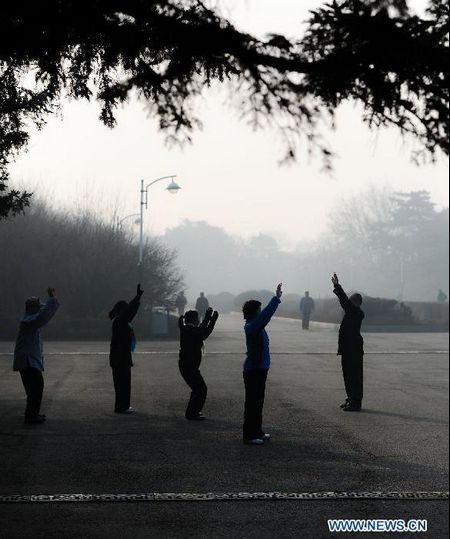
{"points": [[173, 187]]}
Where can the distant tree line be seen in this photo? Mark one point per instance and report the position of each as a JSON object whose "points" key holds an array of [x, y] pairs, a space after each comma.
{"points": [[392, 245], [92, 263]]}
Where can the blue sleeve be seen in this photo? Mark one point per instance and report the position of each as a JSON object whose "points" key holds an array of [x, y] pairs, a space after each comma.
{"points": [[45, 314], [261, 321]]}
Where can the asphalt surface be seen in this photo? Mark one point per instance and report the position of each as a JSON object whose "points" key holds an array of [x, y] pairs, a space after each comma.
{"points": [[399, 443]]}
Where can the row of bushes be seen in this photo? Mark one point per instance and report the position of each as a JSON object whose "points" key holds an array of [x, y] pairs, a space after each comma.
{"points": [[379, 311]]}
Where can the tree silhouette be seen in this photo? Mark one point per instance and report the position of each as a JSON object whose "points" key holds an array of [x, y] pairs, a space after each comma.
{"points": [[380, 232], [96, 261], [372, 52]]}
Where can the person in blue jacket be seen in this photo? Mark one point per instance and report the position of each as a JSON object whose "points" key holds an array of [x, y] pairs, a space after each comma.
{"points": [[28, 353], [256, 366]]}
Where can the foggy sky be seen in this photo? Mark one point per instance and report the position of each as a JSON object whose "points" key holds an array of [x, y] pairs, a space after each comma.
{"points": [[230, 176]]}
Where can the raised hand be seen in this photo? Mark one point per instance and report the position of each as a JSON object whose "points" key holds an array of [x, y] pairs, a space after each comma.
{"points": [[335, 280], [139, 291], [215, 316], [51, 292], [279, 291]]}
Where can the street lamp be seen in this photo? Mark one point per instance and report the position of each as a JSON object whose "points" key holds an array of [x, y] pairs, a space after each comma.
{"points": [[173, 188], [121, 221]]}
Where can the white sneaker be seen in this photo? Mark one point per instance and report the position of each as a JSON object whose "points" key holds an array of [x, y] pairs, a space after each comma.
{"points": [[256, 441], [267, 437], [130, 411]]}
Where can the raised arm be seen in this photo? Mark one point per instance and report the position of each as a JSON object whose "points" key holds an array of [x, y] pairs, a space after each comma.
{"points": [[346, 304], [133, 307], [47, 312], [206, 319], [209, 328], [265, 316]]}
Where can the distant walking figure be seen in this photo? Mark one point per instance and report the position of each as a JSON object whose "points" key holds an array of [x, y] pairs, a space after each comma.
{"points": [[307, 307], [192, 337], [28, 352], [202, 305], [256, 366], [181, 303], [123, 343], [351, 347]]}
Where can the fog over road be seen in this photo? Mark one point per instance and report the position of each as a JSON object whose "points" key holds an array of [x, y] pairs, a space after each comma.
{"points": [[399, 443]]}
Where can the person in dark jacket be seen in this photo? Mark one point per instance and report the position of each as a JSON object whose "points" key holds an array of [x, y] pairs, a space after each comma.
{"points": [[192, 338], [201, 306], [123, 343], [351, 347], [28, 353], [256, 366], [307, 306]]}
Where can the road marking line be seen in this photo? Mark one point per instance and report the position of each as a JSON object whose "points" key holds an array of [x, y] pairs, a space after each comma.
{"points": [[214, 497], [242, 352]]}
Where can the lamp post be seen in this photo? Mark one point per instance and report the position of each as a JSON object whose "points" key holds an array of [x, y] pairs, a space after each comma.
{"points": [[173, 189], [402, 277]]}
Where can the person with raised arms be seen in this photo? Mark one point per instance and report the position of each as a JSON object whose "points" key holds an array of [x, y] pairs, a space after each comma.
{"points": [[257, 365], [351, 346], [123, 344], [193, 334], [28, 353]]}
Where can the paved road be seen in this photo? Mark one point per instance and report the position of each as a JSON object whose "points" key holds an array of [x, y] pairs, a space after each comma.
{"points": [[398, 444]]}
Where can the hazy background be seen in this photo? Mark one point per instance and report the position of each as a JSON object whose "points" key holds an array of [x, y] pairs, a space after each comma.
{"points": [[230, 175]]}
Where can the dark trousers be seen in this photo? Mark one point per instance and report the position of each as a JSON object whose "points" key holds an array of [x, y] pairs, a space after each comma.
{"points": [[306, 317], [353, 370], [122, 387], [33, 382], [255, 390], [199, 390]]}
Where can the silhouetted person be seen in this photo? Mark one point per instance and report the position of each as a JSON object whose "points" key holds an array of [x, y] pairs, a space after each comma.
{"points": [[256, 366], [351, 347], [192, 337], [442, 296], [181, 303], [202, 305], [123, 343], [307, 307], [28, 352]]}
